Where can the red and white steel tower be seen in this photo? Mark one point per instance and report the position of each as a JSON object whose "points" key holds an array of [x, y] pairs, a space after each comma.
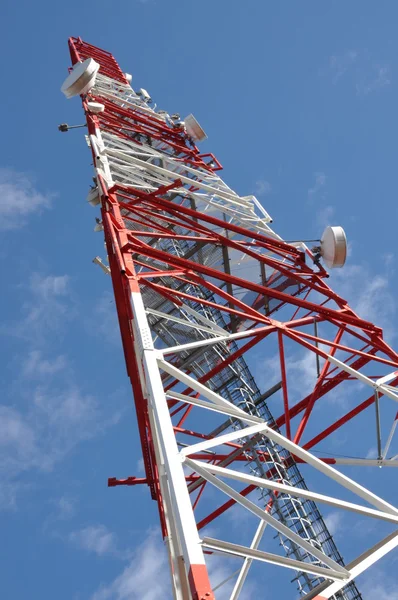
{"points": [[204, 288]]}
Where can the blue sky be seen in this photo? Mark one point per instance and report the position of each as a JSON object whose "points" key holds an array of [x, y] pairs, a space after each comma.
{"points": [[299, 103]]}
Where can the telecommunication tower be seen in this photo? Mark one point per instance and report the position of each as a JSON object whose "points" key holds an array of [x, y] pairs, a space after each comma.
{"points": [[205, 291]]}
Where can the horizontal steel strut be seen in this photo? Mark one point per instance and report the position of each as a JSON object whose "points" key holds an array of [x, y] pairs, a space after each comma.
{"points": [[203, 288]]}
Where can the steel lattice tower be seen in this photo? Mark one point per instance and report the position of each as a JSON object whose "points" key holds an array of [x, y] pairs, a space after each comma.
{"points": [[203, 287]]}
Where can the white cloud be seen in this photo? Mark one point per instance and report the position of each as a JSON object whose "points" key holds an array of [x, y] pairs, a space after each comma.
{"points": [[18, 441], [66, 507], [319, 184], [369, 294], [145, 578], [53, 414], [46, 307], [103, 321], [19, 199], [51, 427], [366, 74], [380, 585], [49, 305], [9, 491], [340, 64], [95, 538], [140, 466], [37, 366], [325, 215], [262, 188], [334, 522], [379, 77]]}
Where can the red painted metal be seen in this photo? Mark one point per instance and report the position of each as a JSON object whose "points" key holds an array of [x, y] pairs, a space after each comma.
{"points": [[131, 217]]}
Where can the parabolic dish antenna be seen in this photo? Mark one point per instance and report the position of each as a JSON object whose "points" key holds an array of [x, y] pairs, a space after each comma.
{"points": [[81, 79], [334, 247], [193, 129]]}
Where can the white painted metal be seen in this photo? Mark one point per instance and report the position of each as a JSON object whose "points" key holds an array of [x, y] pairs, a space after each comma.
{"points": [[93, 197], [81, 79], [366, 462], [200, 317], [375, 385], [180, 500], [228, 412], [386, 378], [224, 439], [211, 341], [331, 472], [356, 567], [293, 491], [190, 324], [247, 562], [334, 247], [262, 514], [172, 541], [194, 129], [199, 387], [95, 107], [388, 444], [238, 550]]}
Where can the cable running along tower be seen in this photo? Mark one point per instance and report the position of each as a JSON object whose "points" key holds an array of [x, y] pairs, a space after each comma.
{"points": [[205, 292]]}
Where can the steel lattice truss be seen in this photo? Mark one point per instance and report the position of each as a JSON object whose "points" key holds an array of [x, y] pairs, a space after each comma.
{"points": [[203, 289]]}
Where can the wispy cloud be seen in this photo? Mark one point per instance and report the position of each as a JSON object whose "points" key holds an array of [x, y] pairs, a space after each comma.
{"points": [[334, 522], [340, 64], [378, 77], [103, 321], [97, 539], [54, 423], [49, 303], [366, 74], [145, 577], [380, 585], [318, 185], [325, 215], [36, 365], [39, 434], [66, 507], [375, 300], [19, 199], [262, 187], [47, 413]]}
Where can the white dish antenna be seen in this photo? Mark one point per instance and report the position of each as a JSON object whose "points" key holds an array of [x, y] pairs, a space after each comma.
{"points": [[95, 107], [81, 79], [334, 247], [193, 129], [93, 197]]}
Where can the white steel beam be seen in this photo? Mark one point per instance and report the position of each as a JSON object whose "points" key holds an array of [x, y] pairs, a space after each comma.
{"points": [[189, 324], [262, 514], [157, 405], [331, 472], [367, 462], [389, 439], [223, 439], [195, 385], [386, 390], [212, 324], [247, 562], [297, 492], [230, 412], [282, 561], [211, 341], [324, 591]]}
